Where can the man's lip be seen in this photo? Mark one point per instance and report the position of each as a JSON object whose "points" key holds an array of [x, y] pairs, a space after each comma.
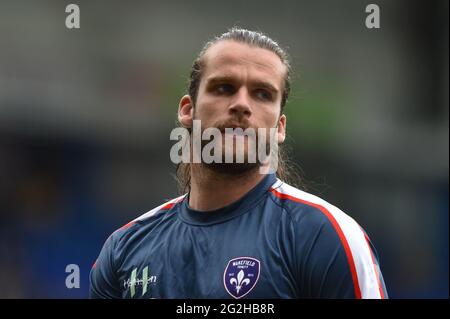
{"points": [[233, 127]]}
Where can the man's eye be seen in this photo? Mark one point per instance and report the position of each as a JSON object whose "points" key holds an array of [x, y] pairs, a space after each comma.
{"points": [[224, 89], [263, 95]]}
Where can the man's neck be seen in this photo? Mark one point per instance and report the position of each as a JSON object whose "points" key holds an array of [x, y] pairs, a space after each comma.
{"points": [[211, 190]]}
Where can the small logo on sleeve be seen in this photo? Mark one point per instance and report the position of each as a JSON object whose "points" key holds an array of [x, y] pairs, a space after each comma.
{"points": [[145, 281], [241, 276]]}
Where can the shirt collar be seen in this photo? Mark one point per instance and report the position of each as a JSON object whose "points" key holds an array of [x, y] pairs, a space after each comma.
{"points": [[228, 212]]}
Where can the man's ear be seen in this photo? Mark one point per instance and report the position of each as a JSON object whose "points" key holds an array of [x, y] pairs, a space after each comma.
{"points": [[281, 129], [186, 111]]}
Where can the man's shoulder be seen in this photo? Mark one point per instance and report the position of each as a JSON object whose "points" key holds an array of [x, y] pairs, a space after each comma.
{"points": [[140, 221], [165, 207], [304, 207]]}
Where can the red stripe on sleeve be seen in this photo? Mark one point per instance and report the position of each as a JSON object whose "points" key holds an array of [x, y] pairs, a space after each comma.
{"points": [[339, 231]]}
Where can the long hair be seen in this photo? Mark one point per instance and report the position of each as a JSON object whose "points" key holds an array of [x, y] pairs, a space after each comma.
{"points": [[287, 171]]}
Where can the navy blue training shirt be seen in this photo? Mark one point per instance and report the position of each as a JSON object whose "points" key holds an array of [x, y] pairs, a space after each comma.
{"points": [[275, 242]]}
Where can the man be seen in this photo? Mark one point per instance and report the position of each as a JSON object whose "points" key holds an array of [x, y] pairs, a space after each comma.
{"points": [[237, 232]]}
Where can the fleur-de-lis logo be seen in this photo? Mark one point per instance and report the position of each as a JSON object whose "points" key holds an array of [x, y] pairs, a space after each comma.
{"points": [[241, 275], [240, 281]]}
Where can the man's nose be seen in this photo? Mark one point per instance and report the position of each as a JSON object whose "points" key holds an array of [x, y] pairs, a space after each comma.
{"points": [[240, 104]]}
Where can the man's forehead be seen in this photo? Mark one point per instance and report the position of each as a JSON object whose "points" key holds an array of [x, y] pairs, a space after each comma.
{"points": [[228, 55]]}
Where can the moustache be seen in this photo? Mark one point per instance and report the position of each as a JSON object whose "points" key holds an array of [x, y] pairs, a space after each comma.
{"points": [[231, 124]]}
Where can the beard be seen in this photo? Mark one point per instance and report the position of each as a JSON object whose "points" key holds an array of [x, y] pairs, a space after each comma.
{"points": [[226, 167], [234, 168], [231, 163]]}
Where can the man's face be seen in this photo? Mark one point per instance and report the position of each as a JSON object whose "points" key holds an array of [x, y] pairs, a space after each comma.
{"points": [[241, 86]]}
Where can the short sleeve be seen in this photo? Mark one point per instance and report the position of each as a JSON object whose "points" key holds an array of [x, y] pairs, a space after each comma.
{"points": [[103, 279], [336, 259]]}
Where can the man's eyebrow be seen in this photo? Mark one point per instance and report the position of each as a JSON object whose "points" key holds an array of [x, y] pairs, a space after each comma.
{"points": [[266, 85], [220, 79], [224, 78]]}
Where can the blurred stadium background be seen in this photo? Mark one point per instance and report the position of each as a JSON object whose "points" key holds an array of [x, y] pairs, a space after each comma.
{"points": [[85, 117]]}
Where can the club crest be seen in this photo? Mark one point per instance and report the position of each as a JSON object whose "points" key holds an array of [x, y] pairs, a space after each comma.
{"points": [[241, 276]]}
